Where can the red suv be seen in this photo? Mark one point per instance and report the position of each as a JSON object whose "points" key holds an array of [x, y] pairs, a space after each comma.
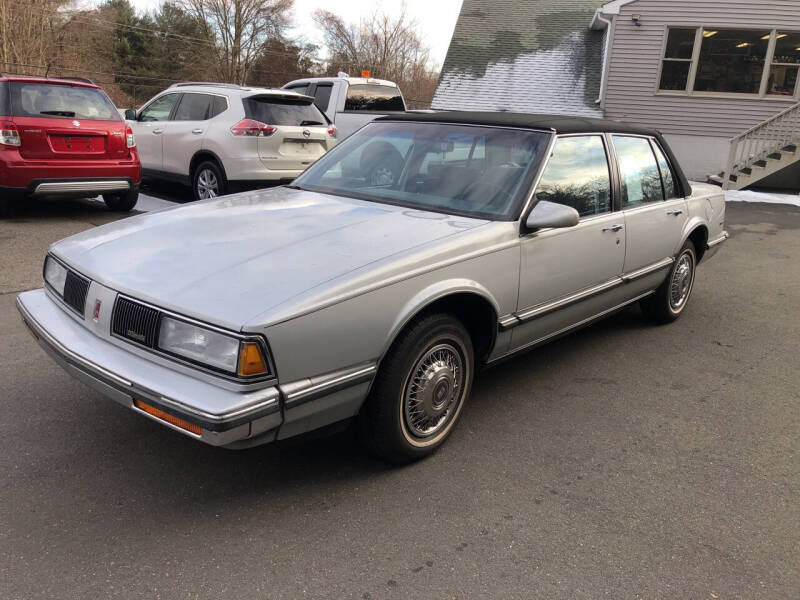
{"points": [[65, 138]]}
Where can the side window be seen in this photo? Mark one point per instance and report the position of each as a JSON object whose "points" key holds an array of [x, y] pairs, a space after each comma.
{"points": [[218, 106], [322, 96], [666, 173], [160, 109], [300, 89], [193, 107], [374, 97], [641, 181], [577, 175]]}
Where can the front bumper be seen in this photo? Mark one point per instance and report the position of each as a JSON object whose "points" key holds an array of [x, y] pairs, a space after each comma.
{"points": [[227, 417]]}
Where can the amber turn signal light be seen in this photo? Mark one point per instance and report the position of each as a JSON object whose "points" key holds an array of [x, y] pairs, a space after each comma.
{"points": [[171, 419], [251, 361]]}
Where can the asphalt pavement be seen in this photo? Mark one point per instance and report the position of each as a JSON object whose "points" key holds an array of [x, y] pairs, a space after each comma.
{"points": [[623, 461]]}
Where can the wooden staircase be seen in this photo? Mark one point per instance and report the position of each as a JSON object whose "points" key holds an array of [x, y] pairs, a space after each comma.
{"points": [[762, 150]]}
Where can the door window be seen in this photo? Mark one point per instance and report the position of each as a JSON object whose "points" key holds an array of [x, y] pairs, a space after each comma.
{"points": [[193, 107], [160, 109], [322, 95], [218, 106], [666, 173], [577, 175], [300, 89], [640, 178]]}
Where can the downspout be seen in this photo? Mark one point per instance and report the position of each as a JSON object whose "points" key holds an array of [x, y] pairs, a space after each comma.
{"points": [[609, 40]]}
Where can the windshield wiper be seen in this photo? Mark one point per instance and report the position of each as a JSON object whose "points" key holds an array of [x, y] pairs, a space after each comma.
{"points": [[58, 113], [303, 123]]}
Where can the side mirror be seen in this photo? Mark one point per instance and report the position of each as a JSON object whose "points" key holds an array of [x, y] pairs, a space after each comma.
{"points": [[130, 115], [549, 214]]}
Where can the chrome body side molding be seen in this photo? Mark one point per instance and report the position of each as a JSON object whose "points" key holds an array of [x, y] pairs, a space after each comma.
{"points": [[644, 271], [306, 390], [719, 240]]}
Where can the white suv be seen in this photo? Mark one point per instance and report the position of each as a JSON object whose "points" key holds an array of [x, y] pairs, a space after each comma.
{"points": [[216, 137]]}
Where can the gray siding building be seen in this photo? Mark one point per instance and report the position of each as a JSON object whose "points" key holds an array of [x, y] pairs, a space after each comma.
{"points": [[704, 72]]}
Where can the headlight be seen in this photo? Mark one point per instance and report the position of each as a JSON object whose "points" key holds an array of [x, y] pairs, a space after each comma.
{"points": [[55, 274], [211, 348]]}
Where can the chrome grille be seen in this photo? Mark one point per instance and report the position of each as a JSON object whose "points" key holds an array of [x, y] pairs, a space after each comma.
{"points": [[135, 322], [75, 290]]}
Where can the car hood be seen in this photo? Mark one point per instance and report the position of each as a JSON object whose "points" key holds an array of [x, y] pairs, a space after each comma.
{"points": [[230, 259]]}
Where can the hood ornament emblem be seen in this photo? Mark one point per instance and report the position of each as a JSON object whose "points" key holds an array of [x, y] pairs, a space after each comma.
{"points": [[76, 123], [306, 133]]}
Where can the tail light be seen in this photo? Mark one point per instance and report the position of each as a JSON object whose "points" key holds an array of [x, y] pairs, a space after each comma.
{"points": [[252, 128], [130, 141], [9, 134], [332, 131]]}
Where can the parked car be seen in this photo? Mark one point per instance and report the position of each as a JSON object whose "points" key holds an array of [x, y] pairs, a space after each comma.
{"points": [[267, 314], [64, 137], [217, 137], [351, 102]]}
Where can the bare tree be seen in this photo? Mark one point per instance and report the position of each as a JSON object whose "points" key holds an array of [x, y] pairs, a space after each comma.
{"points": [[242, 29], [389, 47], [26, 32]]}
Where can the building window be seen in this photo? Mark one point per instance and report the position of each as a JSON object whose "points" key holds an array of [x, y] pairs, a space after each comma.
{"points": [[730, 61]]}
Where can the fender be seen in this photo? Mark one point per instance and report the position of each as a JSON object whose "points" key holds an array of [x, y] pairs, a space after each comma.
{"points": [[691, 224], [214, 155], [427, 296]]}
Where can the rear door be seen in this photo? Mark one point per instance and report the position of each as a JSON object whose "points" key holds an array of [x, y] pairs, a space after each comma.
{"points": [[149, 128], [186, 131], [301, 131], [59, 121], [654, 216]]}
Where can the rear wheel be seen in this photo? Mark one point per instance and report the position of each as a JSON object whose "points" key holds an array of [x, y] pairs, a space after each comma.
{"points": [[671, 298], [420, 390], [208, 181], [122, 202]]}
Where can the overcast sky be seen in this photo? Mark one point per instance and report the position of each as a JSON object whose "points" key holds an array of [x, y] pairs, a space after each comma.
{"points": [[436, 18]]}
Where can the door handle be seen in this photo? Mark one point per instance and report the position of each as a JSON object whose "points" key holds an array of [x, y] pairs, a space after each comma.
{"points": [[158, 131], [675, 212], [615, 227], [197, 131]]}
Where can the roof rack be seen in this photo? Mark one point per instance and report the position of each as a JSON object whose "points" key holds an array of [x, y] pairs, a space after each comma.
{"points": [[232, 86], [79, 79]]}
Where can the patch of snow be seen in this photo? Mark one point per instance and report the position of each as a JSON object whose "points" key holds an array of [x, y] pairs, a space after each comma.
{"points": [[768, 197]]}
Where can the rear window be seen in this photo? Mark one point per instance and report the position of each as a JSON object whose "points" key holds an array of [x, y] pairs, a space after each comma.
{"points": [[282, 111], [373, 97], [64, 101]]}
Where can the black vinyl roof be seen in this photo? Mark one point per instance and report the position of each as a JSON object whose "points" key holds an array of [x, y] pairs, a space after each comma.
{"points": [[558, 123]]}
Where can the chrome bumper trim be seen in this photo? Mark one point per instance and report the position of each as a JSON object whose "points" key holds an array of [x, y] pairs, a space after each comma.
{"points": [[306, 390], [267, 403], [543, 309], [69, 187], [719, 240]]}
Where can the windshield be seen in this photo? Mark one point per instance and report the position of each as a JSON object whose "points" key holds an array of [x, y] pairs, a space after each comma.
{"points": [[58, 100], [473, 171]]}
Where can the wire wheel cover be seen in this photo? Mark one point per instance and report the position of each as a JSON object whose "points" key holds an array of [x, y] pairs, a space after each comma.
{"points": [[434, 390], [681, 282]]}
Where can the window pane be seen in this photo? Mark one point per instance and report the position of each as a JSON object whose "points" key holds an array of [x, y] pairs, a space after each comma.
{"points": [[279, 111], [666, 173], [160, 109], [322, 96], [641, 181], [56, 101], [374, 97], [674, 75], [577, 175], [193, 107], [680, 43], [300, 89], [787, 48], [219, 106], [732, 61], [782, 80]]}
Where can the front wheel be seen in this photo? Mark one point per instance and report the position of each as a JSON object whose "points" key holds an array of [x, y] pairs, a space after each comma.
{"points": [[671, 298], [420, 390], [124, 201]]}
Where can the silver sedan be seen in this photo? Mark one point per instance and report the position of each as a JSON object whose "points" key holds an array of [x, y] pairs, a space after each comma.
{"points": [[372, 289]]}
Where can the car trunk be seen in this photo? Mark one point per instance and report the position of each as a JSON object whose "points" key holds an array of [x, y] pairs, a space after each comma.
{"points": [[54, 138], [301, 134]]}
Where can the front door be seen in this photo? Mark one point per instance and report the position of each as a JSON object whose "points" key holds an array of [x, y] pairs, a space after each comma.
{"points": [[569, 275], [654, 217], [149, 128]]}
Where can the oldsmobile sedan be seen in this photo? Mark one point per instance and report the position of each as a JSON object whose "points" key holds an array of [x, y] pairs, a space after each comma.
{"points": [[422, 249]]}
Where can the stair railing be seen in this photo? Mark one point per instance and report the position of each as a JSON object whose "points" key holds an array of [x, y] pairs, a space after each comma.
{"points": [[761, 140]]}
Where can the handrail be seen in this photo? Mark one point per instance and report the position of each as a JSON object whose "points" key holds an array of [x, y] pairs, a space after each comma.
{"points": [[768, 121]]}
